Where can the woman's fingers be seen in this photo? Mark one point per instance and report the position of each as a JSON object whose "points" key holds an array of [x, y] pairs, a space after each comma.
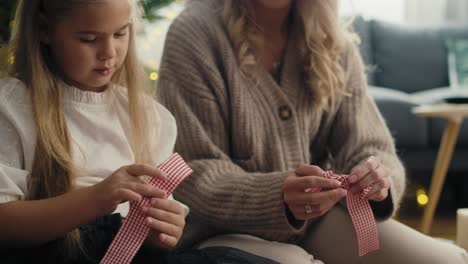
{"points": [[301, 183], [317, 197], [378, 176], [318, 203], [308, 170], [361, 170], [371, 178], [379, 195]]}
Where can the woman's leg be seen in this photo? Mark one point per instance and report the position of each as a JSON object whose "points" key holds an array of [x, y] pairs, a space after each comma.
{"points": [[333, 240], [279, 252]]}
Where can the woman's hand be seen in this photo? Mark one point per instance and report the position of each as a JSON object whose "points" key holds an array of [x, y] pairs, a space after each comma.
{"points": [[166, 219], [125, 185], [371, 172], [305, 204]]}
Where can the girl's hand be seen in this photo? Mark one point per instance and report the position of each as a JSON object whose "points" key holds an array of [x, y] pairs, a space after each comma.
{"points": [[304, 204], [166, 219], [372, 173], [124, 185]]}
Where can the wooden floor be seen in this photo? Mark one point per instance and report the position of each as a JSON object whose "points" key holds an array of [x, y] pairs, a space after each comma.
{"points": [[443, 226]]}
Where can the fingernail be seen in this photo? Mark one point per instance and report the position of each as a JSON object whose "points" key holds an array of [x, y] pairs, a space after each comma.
{"points": [[343, 192], [148, 220], [337, 183], [144, 209], [352, 178]]}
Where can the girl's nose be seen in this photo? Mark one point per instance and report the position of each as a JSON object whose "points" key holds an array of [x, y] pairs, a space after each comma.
{"points": [[107, 51]]}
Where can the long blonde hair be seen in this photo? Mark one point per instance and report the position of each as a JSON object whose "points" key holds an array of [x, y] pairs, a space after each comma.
{"points": [[53, 168], [321, 41]]}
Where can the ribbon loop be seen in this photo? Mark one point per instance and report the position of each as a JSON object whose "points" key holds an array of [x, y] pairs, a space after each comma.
{"points": [[360, 213], [133, 232]]}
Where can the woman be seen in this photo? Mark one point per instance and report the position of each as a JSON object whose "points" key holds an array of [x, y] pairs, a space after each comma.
{"points": [[262, 88]]}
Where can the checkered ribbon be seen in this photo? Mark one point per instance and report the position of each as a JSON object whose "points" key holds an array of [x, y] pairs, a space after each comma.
{"points": [[361, 215], [134, 231]]}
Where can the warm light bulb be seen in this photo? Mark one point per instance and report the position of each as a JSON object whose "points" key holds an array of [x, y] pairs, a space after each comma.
{"points": [[154, 76], [170, 15], [421, 197]]}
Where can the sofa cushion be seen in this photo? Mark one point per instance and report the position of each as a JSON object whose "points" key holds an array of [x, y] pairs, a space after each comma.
{"points": [[412, 59], [408, 129]]}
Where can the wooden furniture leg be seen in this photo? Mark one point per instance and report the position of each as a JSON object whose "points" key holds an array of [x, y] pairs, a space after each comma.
{"points": [[444, 157]]}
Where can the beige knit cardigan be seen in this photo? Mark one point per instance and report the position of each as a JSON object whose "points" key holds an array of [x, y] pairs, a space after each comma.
{"points": [[243, 138]]}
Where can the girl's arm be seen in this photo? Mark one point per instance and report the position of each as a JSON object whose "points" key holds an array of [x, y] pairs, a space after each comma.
{"points": [[25, 223]]}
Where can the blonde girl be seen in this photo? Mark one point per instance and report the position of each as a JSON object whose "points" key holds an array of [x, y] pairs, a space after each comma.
{"points": [[78, 129], [272, 93]]}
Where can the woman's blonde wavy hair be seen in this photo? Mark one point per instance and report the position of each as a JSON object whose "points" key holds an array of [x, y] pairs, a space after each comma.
{"points": [[53, 168], [322, 39]]}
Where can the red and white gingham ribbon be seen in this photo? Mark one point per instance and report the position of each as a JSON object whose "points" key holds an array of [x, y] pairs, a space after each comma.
{"points": [[361, 214], [133, 232]]}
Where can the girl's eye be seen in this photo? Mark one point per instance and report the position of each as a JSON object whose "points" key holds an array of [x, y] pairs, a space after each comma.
{"points": [[87, 40], [121, 33]]}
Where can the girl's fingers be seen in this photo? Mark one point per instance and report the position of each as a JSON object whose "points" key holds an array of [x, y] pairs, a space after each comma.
{"points": [[145, 170], [163, 227], [167, 205], [146, 189], [165, 216], [128, 195], [167, 241]]}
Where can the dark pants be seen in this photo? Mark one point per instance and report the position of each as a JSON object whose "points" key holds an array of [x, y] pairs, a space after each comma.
{"points": [[97, 236]]}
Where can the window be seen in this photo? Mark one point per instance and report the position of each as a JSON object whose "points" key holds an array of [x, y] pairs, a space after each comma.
{"points": [[388, 10]]}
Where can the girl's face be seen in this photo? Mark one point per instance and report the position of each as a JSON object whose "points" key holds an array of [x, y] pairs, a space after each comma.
{"points": [[90, 43], [275, 4]]}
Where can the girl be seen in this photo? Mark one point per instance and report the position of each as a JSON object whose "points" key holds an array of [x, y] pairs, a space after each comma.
{"points": [[77, 131], [264, 88]]}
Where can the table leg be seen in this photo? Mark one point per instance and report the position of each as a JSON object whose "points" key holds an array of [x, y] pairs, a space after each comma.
{"points": [[444, 157]]}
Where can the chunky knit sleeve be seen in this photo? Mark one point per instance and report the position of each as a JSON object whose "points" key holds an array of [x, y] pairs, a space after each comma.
{"points": [[359, 131]]}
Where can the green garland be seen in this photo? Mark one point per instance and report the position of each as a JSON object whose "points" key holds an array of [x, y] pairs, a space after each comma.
{"points": [[150, 5], [6, 14]]}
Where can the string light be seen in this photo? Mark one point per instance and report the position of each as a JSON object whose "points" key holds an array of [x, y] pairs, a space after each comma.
{"points": [[170, 15], [11, 59], [154, 76], [421, 197]]}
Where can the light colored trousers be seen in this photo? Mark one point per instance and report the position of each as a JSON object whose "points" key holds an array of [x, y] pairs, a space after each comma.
{"points": [[332, 240]]}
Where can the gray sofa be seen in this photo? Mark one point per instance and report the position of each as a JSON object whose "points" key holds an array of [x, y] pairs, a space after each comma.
{"points": [[407, 66]]}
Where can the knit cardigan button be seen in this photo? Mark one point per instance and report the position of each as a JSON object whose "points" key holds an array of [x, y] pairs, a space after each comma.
{"points": [[285, 112]]}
